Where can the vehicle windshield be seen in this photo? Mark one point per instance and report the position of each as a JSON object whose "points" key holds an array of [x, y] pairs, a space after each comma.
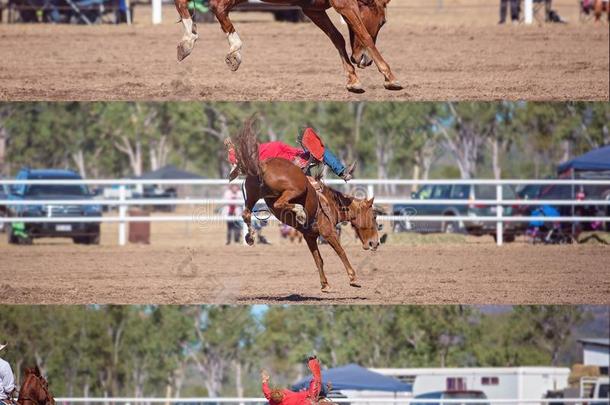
{"points": [[485, 192], [37, 190], [464, 395]]}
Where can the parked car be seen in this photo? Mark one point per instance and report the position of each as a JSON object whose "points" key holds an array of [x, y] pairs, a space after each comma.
{"points": [[457, 192], [457, 394], [80, 232]]}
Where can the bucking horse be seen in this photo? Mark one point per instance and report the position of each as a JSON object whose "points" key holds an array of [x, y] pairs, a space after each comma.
{"points": [[310, 207], [364, 20]]}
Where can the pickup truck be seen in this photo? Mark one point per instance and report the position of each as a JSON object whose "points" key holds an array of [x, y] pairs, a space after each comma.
{"points": [[25, 232]]}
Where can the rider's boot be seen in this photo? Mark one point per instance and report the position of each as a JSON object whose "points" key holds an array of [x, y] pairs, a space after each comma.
{"points": [[347, 174]]}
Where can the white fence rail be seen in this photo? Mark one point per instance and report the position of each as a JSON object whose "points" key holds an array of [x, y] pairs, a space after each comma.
{"points": [[401, 401], [123, 202]]}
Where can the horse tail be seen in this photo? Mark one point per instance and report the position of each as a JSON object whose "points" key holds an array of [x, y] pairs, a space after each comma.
{"points": [[246, 149]]}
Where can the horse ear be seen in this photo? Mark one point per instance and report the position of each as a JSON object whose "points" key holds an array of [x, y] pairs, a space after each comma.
{"points": [[370, 202]]}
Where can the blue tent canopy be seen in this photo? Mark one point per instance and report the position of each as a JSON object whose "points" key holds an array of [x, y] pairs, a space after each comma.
{"points": [[355, 377], [595, 160]]}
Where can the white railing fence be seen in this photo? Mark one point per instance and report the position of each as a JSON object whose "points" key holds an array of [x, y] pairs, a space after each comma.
{"points": [[207, 212], [397, 401]]}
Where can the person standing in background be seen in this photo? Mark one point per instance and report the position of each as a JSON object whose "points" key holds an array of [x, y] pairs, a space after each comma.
{"points": [[7, 380], [515, 9], [233, 227]]}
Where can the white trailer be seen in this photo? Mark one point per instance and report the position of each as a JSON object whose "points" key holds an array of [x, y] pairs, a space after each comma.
{"points": [[495, 382]]}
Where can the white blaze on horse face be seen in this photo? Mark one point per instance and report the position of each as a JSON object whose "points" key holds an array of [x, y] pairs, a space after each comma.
{"points": [[187, 23], [234, 42]]}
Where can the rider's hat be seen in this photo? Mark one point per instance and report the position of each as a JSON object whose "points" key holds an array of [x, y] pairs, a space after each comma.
{"points": [[2, 346]]}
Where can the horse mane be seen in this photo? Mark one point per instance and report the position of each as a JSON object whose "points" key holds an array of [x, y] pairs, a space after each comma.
{"points": [[246, 149], [342, 200], [374, 3]]}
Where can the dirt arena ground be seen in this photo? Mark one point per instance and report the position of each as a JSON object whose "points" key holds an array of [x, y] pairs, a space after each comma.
{"points": [[188, 263], [457, 53]]}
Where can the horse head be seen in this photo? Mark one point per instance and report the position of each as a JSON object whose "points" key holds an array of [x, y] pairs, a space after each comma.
{"points": [[363, 218], [373, 14], [35, 388]]}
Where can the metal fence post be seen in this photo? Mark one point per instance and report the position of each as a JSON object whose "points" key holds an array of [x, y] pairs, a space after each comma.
{"points": [[499, 214], [122, 215], [370, 191]]}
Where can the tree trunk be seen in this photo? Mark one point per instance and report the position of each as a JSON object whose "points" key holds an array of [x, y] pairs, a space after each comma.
{"points": [[495, 158], [239, 386], [79, 160]]}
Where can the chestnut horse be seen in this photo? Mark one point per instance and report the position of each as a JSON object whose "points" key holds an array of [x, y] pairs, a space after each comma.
{"points": [[293, 200], [35, 389], [364, 19]]}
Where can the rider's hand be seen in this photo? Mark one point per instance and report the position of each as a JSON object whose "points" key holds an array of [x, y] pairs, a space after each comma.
{"points": [[264, 376]]}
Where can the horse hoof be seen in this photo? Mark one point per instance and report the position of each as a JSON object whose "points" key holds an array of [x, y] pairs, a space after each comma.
{"points": [[233, 60], [355, 88], [301, 218], [249, 239], [326, 288], [184, 49], [395, 85]]}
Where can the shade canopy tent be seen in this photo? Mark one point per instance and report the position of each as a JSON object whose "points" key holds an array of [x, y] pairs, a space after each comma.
{"points": [[594, 160], [170, 172], [355, 377]]}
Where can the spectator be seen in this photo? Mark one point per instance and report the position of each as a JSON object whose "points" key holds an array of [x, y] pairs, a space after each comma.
{"points": [[233, 227], [515, 9]]}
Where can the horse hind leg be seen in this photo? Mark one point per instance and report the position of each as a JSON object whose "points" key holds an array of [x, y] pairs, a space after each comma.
{"points": [[189, 35], [221, 9]]}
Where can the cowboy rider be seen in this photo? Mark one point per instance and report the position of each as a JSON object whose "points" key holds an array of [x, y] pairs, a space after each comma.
{"points": [[7, 380], [277, 396], [313, 150]]}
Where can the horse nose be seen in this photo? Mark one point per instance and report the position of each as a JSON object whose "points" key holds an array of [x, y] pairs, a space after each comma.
{"points": [[373, 244]]}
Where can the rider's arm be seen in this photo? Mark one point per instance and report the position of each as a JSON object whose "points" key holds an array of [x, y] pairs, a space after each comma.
{"points": [[7, 378], [266, 390], [316, 382], [265, 382]]}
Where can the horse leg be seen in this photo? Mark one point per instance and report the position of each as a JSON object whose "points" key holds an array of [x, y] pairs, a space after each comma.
{"points": [[283, 203], [312, 244], [189, 36], [221, 9], [321, 19], [252, 196], [333, 241], [351, 14]]}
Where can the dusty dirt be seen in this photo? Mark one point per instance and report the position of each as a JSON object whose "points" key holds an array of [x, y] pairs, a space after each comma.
{"points": [[407, 270], [457, 53]]}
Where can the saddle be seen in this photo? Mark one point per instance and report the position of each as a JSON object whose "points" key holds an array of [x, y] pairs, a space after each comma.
{"points": [[323, 203]]}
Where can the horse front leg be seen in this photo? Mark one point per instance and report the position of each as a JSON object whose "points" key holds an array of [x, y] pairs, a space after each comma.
{"points": [[333, 241], [321, 19], [351, 14], [189, 35], [312, 244], [221, 9]]}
